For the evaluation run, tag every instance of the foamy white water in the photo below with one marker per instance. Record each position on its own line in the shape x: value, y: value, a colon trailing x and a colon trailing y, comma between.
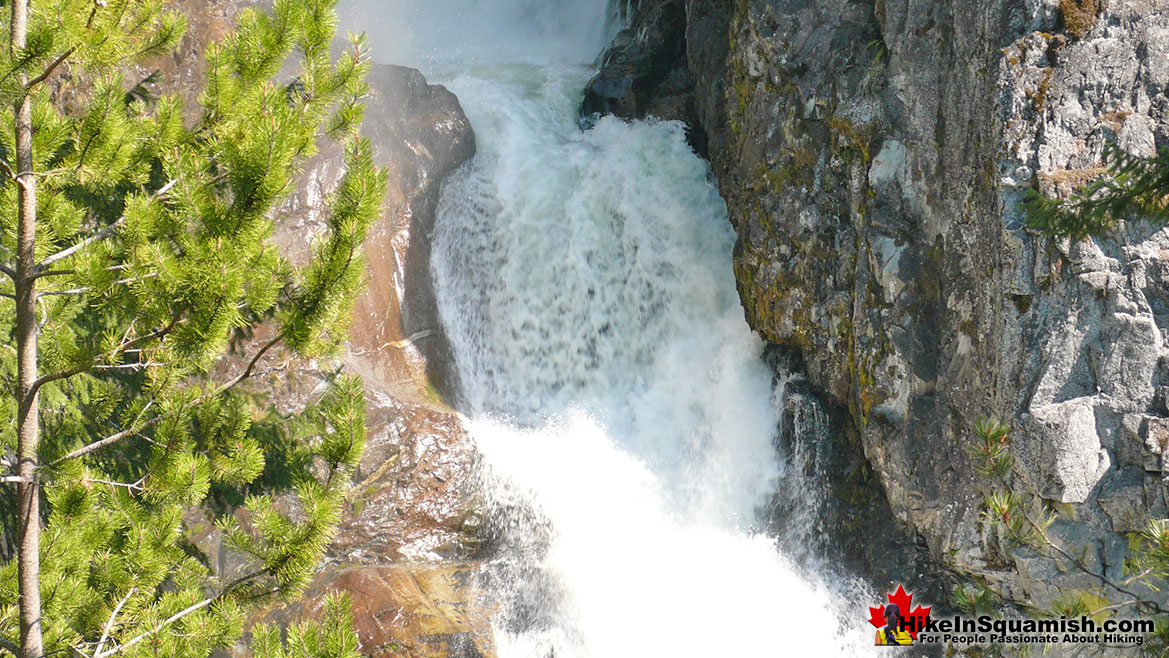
x: 627, y: 424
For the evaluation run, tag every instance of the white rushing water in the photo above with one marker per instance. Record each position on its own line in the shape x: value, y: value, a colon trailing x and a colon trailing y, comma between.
x: 626, y: 421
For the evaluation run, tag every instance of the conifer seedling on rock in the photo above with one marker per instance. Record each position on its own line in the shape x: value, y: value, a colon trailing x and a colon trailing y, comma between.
x: 1131, y: 186
x: 135, y: 255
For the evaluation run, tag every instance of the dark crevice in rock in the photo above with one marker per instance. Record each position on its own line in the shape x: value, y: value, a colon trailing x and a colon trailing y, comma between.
x: 643, y: 72
x: 830, y: 505
x: 449, y: 149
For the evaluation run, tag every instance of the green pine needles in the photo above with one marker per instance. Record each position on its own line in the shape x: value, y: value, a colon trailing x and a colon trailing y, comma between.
x: 135, y: 252
x: 311, y: 640
x: 1023, y: 522
x: 1132, y: 186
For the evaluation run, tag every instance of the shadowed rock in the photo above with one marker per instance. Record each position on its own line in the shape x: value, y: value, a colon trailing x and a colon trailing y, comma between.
x: 643, y: 72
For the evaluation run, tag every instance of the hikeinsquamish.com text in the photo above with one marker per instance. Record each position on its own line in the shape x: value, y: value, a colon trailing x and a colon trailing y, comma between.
x: 988, y: 630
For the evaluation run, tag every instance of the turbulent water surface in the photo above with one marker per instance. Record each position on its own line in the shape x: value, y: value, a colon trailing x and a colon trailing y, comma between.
x: 626, y: 420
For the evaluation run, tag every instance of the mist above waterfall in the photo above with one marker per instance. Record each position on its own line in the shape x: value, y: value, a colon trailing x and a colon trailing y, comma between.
x: 422, y: 33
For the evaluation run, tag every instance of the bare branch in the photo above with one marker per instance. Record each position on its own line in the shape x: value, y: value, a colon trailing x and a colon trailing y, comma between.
x: 169, y: 620
x: 1116, y: 606
x: 57, y: 376
x: 49, y: 71
x: 82, y: 291
x: 1050, y: 543
x: 111, y: 439
x: 14, y: 479
x: 252, y: 364
x: 71, y: 291
x: 105, y: 632
x: 129, y: 366
x: 100, y: 235
x: 134, y: 279
x: 132, y: 486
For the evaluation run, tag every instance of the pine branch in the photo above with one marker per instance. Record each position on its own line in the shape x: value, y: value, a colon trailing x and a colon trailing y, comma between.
x: 9, y: 647
x: 994, y: 439
x: 1104, y: 580
x: 99, y: 653
x: 111, y: 439
x: 252, y: 364
x: 93, y: 363
x: 1132, y: 185
x: 40, y: 268
x: 118, y: 436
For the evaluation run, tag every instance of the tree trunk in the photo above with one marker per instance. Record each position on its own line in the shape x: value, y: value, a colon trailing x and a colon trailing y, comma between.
x: 29, y: 561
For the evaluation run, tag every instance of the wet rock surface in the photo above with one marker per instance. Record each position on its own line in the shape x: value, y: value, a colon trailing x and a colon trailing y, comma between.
x: 419, y: 134
x: 643, y: 72
x: 874, y: 157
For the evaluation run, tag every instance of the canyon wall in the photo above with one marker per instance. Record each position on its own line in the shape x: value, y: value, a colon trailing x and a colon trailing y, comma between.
x: 874, y: 156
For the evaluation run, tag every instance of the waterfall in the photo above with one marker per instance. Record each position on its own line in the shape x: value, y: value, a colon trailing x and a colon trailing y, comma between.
x: 628, y: 425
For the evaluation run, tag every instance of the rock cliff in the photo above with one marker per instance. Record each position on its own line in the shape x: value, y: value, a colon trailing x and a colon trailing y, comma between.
x: 874, y: 155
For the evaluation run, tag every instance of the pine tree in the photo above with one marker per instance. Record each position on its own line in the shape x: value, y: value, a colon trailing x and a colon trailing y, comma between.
x: 135, y: 252
x: 1132, y: 186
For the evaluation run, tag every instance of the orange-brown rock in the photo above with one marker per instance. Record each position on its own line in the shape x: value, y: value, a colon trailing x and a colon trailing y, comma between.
x: 407, y: 612
x: 419, y: 134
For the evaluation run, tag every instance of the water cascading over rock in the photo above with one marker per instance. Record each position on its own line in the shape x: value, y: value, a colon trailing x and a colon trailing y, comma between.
x: 874, y: 157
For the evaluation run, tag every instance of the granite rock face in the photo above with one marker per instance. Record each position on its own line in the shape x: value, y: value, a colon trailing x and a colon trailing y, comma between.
x: 874, y: 156
x: 419, y: 135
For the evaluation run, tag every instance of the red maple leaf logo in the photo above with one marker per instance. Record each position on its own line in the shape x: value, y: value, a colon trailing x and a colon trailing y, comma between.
x: 911, y: 621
